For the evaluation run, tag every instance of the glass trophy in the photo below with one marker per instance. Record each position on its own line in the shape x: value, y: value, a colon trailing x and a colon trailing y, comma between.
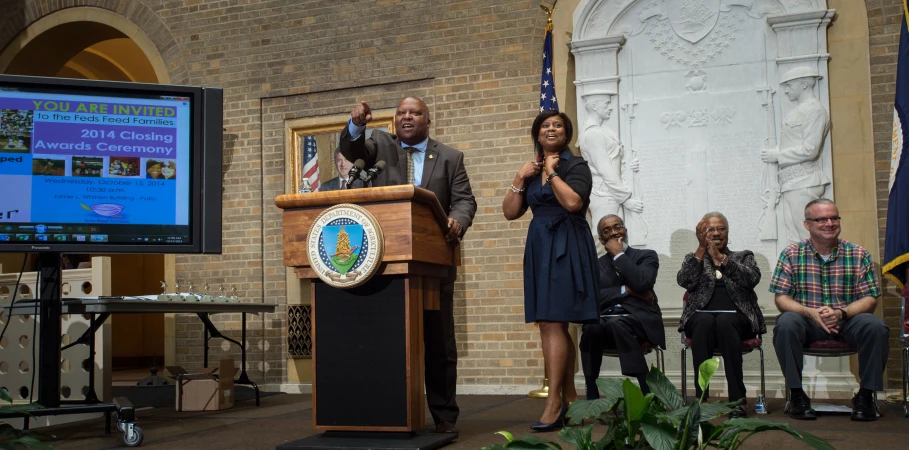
x: 176, y: 296
x: 190, y: 297
x: 233, y: 295
x: 163, y: 297
x: 221, y: 298
x: 205, y: 295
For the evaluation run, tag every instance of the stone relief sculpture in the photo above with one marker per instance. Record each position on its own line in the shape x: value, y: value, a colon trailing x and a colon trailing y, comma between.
x: 802, y: 137
x: 603, y: 151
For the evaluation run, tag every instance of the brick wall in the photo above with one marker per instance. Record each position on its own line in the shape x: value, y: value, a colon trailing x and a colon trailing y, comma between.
x: 476, y: 62
x: 884, y: 34
x: 473, y: 61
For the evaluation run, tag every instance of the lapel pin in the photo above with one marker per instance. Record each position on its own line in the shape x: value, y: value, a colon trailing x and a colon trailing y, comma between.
x: 431, y: 156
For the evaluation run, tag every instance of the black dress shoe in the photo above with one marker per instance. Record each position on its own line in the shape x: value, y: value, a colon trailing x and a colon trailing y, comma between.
x: 863, y: 408
x: 801, y: 408
x: 739, y: 412
x: 446, y: 427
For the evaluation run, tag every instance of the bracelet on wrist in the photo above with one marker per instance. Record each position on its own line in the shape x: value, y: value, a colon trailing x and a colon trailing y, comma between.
x: 551, y: 176
x: 516, y: 190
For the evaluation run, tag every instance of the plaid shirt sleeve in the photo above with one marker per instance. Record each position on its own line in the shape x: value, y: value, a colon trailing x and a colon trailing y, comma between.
x: 781, y: 282
x: 867, y: 285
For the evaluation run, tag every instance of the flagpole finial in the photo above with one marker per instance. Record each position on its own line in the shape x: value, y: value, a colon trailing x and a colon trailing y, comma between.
x: 548, y: 12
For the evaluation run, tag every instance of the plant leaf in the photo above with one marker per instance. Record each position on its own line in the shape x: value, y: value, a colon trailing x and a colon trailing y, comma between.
x: 585, y: 409
x: 29, y: 441
x: 664, y: 390
x: 577, y: 436
x: 660, y: 436
x: 611, y: 387
x: 634, y: 401
x: 494, y: 447
x: 608, y: 441
x: 4, y: 395
x: 706, y: 371
x: 508, y: 436
x: 689, y: 427
x: 710, y: 411
x: 737, y: 426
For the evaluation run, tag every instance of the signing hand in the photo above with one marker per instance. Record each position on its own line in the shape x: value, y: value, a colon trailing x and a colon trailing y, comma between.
x: 529, y: 169
x: 454, y: 231
x: 701, y: 232
x: 361, y: 114
x: 770, y: 155
x: 715, y: 252
x: 613, y: 246
x: 550, y: 162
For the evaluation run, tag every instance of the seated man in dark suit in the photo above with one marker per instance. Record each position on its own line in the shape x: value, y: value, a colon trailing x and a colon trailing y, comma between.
x: 629, y: 314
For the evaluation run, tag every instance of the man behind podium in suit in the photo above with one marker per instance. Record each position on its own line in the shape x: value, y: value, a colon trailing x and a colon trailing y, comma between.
x: 629, y: 313
x: 413, y: 158
x: 340, y: 182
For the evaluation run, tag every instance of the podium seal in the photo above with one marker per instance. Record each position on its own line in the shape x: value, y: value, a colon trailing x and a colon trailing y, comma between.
x: 345, y: 245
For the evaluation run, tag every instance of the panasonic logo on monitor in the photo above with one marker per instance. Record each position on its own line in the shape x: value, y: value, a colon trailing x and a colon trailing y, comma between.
x: 40, y: 248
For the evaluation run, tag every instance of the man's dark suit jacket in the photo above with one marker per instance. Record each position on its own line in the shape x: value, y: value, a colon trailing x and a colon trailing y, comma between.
x: 637, y: 269
x: 443, y: 170
x: 334, y: 184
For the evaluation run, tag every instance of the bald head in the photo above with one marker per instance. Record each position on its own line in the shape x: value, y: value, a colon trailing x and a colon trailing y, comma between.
x: 412, y: 120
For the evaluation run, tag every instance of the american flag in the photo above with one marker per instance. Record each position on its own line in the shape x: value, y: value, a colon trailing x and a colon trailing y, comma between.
x: 311, y: 162
x: 547, y: 82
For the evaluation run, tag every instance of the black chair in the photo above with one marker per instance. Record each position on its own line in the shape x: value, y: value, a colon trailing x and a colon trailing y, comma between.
x: 748, y: 346
x: 829, y: 348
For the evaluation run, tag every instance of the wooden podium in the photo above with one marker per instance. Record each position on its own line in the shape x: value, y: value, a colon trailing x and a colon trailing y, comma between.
x: 368, y: 340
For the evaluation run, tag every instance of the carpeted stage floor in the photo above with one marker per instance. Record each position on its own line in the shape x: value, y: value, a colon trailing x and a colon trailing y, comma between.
x: 283, y: 418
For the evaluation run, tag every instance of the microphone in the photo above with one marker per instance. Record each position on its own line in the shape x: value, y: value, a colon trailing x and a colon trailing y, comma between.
x: 354, y: 172
x: 371, y: 174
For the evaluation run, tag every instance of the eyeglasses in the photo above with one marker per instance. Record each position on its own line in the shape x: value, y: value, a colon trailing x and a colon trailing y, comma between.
x: 606, y: 230
x: 721, y: 230
x: 819, y: 220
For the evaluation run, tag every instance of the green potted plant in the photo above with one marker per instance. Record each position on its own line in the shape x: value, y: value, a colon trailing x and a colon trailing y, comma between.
x: 11, y: 438
x: 659, y: 420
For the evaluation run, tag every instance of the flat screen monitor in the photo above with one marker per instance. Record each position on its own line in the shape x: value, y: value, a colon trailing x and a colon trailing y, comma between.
x: 109, y: 167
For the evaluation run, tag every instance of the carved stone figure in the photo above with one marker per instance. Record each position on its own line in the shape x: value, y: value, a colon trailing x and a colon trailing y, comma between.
x: 801, y: 142
x: 603, y: 151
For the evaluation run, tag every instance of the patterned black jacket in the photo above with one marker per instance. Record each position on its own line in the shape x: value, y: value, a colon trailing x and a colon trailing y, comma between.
x: 741, y: 276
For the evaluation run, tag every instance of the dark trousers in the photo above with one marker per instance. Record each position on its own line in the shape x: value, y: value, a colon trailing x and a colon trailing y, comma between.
x: 623, y: 333
x: 724, y: 332
x: 440, y: 356
x: 868, y: 333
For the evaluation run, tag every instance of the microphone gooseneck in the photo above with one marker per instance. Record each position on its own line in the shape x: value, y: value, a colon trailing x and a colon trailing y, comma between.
x: 355, y: 172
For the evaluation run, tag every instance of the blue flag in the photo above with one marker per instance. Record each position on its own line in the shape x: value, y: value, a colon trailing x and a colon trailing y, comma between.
x: 896, y: 243
x: 547, y: 82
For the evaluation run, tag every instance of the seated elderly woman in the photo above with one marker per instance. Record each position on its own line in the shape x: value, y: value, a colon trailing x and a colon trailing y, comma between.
x: 722, y: 308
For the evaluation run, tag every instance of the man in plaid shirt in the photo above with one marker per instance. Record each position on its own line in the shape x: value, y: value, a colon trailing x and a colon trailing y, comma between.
x: 826, y: 289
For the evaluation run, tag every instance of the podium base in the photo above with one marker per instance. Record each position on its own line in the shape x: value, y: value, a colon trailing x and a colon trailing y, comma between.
x: 352, y: 440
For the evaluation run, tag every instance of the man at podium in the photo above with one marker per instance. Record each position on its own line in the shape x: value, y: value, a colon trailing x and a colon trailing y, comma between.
x: 412, y: 157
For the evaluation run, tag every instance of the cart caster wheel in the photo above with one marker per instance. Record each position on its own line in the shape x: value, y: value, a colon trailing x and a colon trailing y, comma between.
x: 133, y: 439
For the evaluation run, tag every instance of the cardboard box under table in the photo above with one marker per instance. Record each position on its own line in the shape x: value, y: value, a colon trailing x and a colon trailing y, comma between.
x: 207, y: 389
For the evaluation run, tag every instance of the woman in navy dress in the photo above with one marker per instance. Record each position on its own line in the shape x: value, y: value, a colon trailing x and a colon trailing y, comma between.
x: 560, y: 261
